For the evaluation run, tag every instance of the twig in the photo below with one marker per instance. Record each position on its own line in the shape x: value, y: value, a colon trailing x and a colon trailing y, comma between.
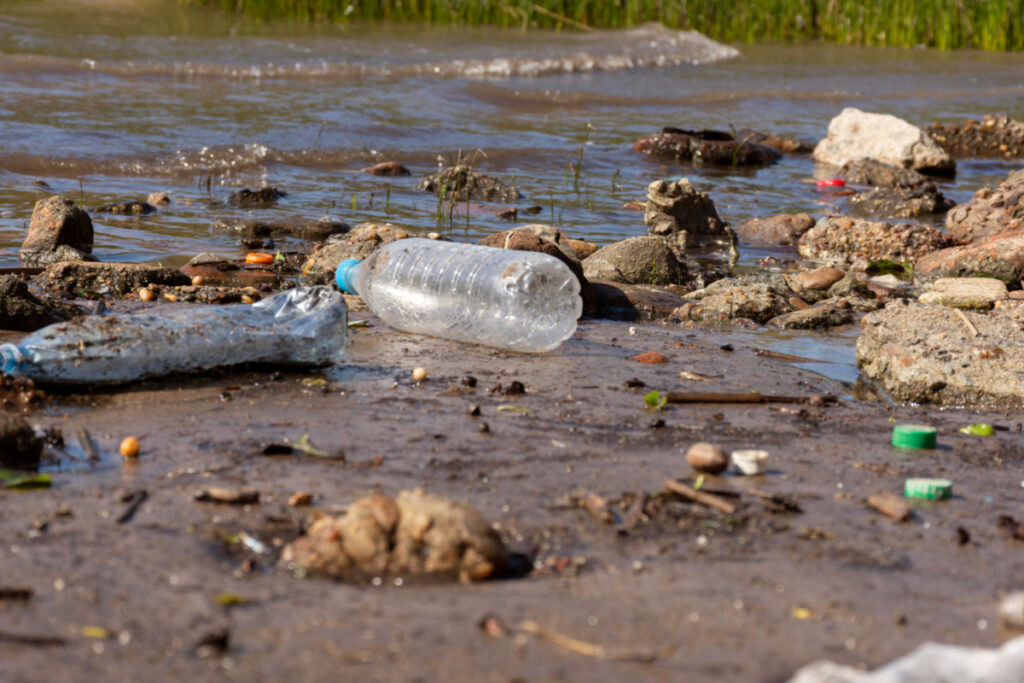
x: 970, y: 326
x: 562, y: 18
x: 741, y: 397
x: 582, y: 647
x: 29, y: 639
x: 699, y: 497
x: 135, y: 499
x: 88, y: 444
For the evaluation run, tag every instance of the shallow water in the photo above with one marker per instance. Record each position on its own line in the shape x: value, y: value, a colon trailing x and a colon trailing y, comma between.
x: 119, y: 99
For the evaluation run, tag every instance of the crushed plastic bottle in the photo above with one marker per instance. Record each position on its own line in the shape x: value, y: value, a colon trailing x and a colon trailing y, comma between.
x: 518, y: 300
x: 306, y: 326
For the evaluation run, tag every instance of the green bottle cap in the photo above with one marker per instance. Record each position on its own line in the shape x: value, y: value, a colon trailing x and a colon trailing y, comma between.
x: 930, y: 489
x: 913, y: 436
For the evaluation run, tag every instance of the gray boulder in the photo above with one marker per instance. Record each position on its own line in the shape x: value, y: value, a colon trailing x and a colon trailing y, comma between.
x: 991, y: 210
x: 841, y: 239
x: 926, y: 353
x: 855, y: 134
x: 644, y: 260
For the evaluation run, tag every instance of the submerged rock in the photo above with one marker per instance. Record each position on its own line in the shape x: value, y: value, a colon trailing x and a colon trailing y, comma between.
x: 926, y: 353
x: 1000, y: 256
x: 851, y: 240
x: 413, y: 534
x: 20, y: 448
x: 855, y: 134
x: 301, y: 228
x: 363, y: 240
x: 386, y: 168
x: 994, y: 136
x: 965, y: 292
x: 22, y: 310
x: 896, y: 192
x: 646, y: 260
x: 462, y: 182
x: 619, y: 301
x: 129, y: 208
x: 706, y: 147
x: 687, y: 216
x: 116, y: 279
x: 59, y: 231
x: 813, y: 318
x: 219, y: 271
x: 263, y: 198
x: 779, y: 142
x: 989, y: 211
x: 776, y: 231
x: 158, y: 199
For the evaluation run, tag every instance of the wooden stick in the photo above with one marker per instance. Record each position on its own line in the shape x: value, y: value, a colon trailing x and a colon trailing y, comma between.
x: 972, y: 328
x: 699, y: 497
x: 582, y: 647
x: 741, y: 397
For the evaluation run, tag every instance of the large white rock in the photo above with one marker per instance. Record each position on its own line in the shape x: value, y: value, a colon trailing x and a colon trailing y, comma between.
x: 855, y: 134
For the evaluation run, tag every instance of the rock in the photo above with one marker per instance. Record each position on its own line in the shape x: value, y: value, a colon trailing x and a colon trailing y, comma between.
x: 22, y: 310
x: 813, y: 318
x: 850, y: 240
x: 676, y: 210
x: 965, y: 292
x: 778, y: 231
x: 617, y: 301
x: 129, y: 208
x: 990, y: 210
x: 462, y: 182
x: 752, y: 297
x: 649, y: 358
x: 896, y: 192
x: 706, y: 147
x: 855, y: 134
x: 821, y: 278
x: 20, y: 449
x: 413, y: 534
x: 707, y: 457
x: 386, y: 168
x: 363, y: 240
x: 59, y: 230
x: 158, y: 198
x: 218, y: 271
x: 301, y: 228
x: 263, y: 198
x: 925, y: 353
x: 994, y: 136
x: 1000, y: 256
x: 637, y: 260
x: 583, y: 248
x: 548, y: 240
x: 779, y: 142
x: 116, y: 279
x: 473, y: 209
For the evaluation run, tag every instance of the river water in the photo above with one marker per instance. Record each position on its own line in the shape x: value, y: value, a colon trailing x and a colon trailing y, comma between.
x: 109, y: 100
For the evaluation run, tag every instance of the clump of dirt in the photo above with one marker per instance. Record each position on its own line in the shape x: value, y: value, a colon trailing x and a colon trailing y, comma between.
x: 414, y: 533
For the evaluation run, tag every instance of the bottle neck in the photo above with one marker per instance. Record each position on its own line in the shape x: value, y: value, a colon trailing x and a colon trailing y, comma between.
x: 348, y: 275
x: 11, y: 358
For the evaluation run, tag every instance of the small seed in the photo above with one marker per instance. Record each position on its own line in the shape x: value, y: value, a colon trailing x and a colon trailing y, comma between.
x: 146, y: 294
x: 130, y: 448
x: 198, y: 280
x: 419, y: 375
x: 246, y: 299
x: 171, y: 297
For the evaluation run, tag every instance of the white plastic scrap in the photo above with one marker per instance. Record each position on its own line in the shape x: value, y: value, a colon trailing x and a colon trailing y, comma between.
x: 930, y: 663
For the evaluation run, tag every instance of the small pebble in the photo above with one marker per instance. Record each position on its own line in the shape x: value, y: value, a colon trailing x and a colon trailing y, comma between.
x: 198, y: 280
x: 130, y: 448
x: 707, y: 457
x: 246, y: 299
x: 300, y: 498
x: 171, y: 297
x: 419, y: 375
x: 146, y: 294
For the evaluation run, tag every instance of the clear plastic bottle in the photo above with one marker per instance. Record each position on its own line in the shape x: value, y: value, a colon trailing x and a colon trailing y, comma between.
x: 518, y: 300
x: 305, y: 326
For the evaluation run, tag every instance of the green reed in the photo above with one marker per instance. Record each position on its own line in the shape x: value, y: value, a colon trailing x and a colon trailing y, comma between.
x: 944, y: 24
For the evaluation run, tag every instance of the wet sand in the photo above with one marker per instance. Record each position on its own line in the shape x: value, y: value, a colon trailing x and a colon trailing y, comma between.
x: 695, y: 594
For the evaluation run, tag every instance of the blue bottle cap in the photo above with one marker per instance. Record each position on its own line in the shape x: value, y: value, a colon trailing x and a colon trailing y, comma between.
x: 343, y: 276
x: 11, y: 359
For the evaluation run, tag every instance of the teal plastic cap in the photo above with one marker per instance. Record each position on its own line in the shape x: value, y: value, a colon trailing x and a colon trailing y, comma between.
x: 11, y: 359
x: 343, y: 276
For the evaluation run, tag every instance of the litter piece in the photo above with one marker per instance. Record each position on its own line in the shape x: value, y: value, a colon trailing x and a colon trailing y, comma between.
x: 913, y: 436
x: 929, y: 489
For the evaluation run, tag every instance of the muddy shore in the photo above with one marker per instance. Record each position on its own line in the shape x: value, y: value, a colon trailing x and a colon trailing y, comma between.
x: 692, y: 594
